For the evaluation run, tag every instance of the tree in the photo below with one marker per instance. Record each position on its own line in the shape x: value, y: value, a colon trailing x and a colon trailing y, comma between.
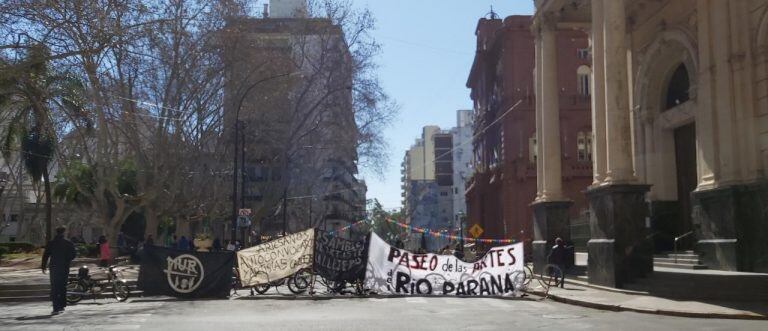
x: 29, y: 93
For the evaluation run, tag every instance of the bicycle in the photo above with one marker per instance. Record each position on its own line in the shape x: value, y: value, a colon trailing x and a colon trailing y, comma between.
x: 552, y: 276
x: 84, y: 284
x: 297, y: 283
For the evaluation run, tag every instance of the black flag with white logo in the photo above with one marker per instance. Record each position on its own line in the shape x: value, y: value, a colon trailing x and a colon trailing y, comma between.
x: 185, y: 274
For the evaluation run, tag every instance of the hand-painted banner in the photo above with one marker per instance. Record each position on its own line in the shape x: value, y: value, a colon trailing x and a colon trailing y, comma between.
x: 276, y: 259
x: 339, y: 259
x: 186, y: 274
x: 395, y: 271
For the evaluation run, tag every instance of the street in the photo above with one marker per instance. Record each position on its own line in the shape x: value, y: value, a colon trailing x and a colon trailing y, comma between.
x: 411, y: 313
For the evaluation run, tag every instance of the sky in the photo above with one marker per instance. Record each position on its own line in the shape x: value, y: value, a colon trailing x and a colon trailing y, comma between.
x: 428, y: 49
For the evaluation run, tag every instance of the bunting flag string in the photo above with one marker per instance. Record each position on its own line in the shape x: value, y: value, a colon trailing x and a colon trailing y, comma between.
x: 428, y: 232
x: 440, y: 234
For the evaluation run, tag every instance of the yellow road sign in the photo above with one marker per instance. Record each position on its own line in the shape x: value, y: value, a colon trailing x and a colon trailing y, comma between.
x: 476, y: 230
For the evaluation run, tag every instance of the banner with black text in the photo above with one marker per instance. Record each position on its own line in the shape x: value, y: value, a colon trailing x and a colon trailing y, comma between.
x: 185, y: 274
x: 276, y: 259
x: 339, y: 259
x: 395, y: 271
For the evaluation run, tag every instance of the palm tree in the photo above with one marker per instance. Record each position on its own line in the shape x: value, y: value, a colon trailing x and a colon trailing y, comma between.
x: 29, y: 93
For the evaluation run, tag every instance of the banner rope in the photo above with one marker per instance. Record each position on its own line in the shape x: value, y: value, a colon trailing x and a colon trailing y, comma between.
x: 429, y: 232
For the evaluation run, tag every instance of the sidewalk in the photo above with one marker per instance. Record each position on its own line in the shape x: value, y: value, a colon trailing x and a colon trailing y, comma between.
x: 27, y: 271
x: 582, y: 294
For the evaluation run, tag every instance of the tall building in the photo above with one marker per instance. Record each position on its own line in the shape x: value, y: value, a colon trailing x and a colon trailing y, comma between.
x: 427, y: 185
x: 505, y: 160
x: 462, y: 164
x: 288, y: 97
x: 680, y: 111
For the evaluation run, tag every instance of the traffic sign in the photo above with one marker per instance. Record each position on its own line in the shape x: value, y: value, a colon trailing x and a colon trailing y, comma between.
x: 476, y: 230
x: 243, y: 221
x: 244, y: 212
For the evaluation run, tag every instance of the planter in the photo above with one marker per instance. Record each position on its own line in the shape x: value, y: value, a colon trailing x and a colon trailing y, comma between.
x: 203, y: 245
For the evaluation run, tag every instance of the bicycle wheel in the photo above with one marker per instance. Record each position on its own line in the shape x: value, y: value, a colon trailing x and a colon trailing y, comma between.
x: 302, y: 279
x: 262, y: 288
x: 75, y: 292
x: 121, y: 291
x: 551, y: 275
x: 295, y: 289
x: 528, y: 274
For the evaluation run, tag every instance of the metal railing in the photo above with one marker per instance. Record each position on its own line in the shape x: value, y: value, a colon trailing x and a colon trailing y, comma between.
x: 678, y: 239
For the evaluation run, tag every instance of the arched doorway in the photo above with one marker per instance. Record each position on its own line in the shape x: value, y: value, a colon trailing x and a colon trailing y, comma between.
x: 665, y: 135
x: 685, y: 152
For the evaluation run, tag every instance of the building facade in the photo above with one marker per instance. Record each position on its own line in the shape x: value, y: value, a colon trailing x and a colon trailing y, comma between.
x: 680, y: 107
x: 462, y: 165
x: 505, y: 159
x: 288, y: 110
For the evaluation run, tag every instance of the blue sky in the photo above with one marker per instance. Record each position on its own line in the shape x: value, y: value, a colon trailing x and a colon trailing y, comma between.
x: 428, y: 48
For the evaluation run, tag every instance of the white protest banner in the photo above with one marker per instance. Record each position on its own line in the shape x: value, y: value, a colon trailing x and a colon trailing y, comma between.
x: 395, y: 271
x: 276, y: 259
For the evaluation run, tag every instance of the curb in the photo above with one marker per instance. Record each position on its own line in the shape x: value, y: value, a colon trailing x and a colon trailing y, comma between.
x: 676, y: 313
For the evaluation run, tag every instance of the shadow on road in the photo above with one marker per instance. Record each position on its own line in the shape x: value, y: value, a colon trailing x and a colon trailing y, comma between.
x: 33, y: 318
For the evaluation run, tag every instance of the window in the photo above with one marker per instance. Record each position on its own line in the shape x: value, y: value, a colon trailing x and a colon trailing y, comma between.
x: 584, y: 146
x: 443, y: 194
x: 532, y: 152
x: 677, y: 90
x: 582, y: 53
x: 583, y: 81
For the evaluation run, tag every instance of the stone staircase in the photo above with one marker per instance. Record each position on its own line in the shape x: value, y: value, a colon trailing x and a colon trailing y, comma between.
x: 682, y: 260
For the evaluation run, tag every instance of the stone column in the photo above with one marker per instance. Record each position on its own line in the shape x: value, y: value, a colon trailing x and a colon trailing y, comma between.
x: 550, y: 208
x: 598, y: 94
x: 539, y: 98
x: 728, y: 214
x: 618, y: 249
x: 618, y: 129
x: 550, y: 116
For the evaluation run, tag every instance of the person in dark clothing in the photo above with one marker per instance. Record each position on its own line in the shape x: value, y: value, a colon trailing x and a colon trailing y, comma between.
x: 150, y: 241
x: 217, y: 245
x: 559, y: 257
x: 60, y: 252
x: 183, y: 244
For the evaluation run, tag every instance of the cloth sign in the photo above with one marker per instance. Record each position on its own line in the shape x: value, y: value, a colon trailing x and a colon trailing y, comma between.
x: 339, y: 259
x: 276, y: 259
x: 395, y: 271
x: 185, y: 274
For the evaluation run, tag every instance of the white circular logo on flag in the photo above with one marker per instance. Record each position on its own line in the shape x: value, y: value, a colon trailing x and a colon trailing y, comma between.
x: 185, y: 273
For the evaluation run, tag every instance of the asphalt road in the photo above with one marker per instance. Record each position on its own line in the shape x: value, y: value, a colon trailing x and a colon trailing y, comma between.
x: 391, y: 314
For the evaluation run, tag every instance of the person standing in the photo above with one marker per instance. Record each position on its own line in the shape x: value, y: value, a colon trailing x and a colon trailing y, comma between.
x: 104, y: 254
x: 183, y: 243
x: 559, y: 256
x: 150, y: 241
x: 60, y: 252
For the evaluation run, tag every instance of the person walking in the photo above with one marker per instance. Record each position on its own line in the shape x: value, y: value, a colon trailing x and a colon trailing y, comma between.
x: 60, y: 252
x: 559, y: 257
x: 104, y: 253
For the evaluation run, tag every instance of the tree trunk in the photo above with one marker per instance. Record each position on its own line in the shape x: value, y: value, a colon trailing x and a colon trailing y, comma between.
x: 48, y: 206
x: 151, y: 223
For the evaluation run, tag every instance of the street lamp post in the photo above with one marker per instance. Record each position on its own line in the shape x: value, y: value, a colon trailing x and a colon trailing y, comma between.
x: 235, y: 139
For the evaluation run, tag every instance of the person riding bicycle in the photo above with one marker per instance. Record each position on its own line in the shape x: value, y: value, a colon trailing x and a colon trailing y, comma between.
x: 559, y: 257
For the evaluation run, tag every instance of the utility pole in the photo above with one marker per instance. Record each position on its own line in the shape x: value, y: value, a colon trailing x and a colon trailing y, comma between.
x: 242, y: 182
x: 310, y: 212
x: 285, y: 210
x: 234, y: 181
